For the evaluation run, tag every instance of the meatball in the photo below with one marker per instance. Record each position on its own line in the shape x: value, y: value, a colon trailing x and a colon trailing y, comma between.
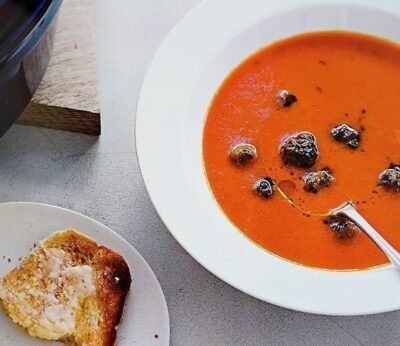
x: 343, y: 228
x: 314, y: 181
x: 242, y: 153
x: 390, y: 178
x: 346, y: 134
x: 265, y: 187
x: 300, y: 150
x: 286, y: 98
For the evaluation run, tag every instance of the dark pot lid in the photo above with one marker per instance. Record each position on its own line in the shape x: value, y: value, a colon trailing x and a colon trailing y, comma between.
x: 18, y: 18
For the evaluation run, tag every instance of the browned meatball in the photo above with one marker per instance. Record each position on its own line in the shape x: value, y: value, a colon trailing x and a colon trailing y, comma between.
x: 265, y: 187
x: 243, y: 153
x: 300, y: 150
x: 314, y: 181
x: 342, y: 227
x: 346, y: 134
x: 286, y: 98
x: 390, y: 178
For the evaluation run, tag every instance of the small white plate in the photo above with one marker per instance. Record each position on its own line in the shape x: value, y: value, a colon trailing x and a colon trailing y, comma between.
x: 146, y: 319
x: 182, y: 79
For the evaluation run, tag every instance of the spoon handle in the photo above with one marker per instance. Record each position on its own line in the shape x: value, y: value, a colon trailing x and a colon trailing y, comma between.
x: 351, y: 212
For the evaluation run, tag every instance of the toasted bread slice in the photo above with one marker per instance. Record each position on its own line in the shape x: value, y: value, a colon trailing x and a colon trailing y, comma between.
x: 69, y: 289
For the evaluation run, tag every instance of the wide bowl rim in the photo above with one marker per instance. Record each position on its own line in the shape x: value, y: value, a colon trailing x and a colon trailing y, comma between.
x: 158, y: 204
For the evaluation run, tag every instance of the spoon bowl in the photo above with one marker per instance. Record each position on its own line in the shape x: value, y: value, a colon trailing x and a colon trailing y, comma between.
x: 349, y: 211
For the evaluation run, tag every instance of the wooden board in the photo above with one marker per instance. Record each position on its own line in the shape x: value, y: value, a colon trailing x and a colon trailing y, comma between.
x: 67, y: 97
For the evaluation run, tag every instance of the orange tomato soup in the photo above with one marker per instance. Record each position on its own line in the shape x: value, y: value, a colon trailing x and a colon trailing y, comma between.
x: 338, y: 77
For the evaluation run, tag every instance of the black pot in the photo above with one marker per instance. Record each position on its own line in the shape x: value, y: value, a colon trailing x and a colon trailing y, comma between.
x: 26, y: 40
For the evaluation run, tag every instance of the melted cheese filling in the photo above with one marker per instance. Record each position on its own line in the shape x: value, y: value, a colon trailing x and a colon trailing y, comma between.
x: 49, y: 300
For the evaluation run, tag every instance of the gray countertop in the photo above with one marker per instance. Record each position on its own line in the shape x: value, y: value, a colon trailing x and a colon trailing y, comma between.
x: 101, y: 178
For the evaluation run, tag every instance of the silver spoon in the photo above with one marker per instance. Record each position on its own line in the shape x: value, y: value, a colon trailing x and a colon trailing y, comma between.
x: 349, y: 210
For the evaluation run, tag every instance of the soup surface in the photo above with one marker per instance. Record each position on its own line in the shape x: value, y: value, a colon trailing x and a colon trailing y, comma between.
x: 338, y: 78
